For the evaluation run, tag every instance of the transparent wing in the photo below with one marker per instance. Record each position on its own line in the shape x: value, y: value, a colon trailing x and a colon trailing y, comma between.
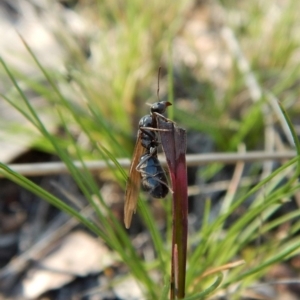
x: 133, y: 183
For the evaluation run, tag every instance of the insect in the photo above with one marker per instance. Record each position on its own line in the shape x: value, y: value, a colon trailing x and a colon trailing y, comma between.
x: 145, y: 165
x: 154, y: 180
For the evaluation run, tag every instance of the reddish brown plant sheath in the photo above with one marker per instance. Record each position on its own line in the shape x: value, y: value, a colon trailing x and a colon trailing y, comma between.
x: 174, y: 145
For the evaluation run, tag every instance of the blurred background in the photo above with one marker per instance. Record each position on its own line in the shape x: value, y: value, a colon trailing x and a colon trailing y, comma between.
x: 88, y: 68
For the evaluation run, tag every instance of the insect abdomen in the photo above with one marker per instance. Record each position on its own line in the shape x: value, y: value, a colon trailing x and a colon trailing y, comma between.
x: 154, y: 180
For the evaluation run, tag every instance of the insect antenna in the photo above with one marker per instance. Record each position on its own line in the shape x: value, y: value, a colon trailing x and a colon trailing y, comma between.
x: 158, y: 75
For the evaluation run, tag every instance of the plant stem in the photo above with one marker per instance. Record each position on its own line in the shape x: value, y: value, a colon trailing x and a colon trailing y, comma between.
x: 174, y: 144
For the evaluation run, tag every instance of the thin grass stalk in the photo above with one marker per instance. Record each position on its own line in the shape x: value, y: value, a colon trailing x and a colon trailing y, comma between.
x: 203, y: 295
x: 293, y: 132
x: 116, y: 241
x: 281, y: 255
x: 29, y: 185
x: 210, y: 230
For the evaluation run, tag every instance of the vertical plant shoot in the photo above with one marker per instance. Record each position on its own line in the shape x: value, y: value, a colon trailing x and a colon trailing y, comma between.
x: 173, y: 141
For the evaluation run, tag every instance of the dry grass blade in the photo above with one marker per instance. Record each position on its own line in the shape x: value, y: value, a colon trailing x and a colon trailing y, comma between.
x: 174, y: 145
x: 50, y: 168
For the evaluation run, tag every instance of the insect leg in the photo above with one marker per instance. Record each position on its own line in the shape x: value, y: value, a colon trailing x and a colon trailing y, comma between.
x: 152, y: 129
x: 163, y: 117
